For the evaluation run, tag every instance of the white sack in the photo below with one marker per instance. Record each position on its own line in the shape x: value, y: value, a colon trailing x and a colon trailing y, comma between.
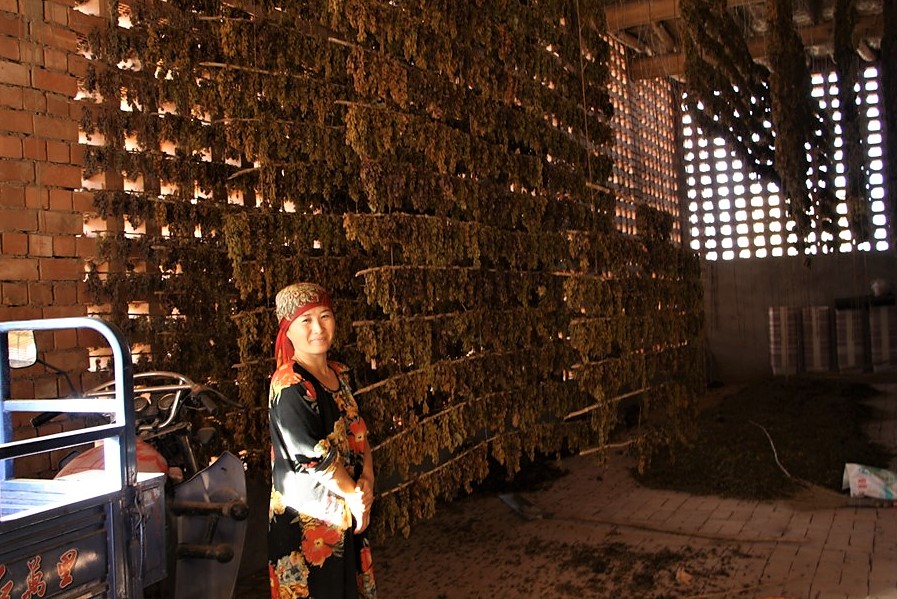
x: 866, y: 481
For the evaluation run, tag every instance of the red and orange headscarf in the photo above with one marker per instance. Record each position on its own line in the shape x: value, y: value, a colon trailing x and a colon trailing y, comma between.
x: 291, y: 302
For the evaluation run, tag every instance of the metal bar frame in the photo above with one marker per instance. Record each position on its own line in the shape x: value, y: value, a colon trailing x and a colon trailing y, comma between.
x: 119, y: 442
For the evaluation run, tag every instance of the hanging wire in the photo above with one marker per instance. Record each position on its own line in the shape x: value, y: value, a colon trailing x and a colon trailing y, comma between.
x: 585, y: 115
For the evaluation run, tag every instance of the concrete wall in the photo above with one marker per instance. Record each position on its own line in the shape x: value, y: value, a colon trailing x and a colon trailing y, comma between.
x: 738, y: 294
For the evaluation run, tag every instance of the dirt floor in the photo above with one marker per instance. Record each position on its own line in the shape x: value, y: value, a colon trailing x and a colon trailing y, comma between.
x: 550, y: 532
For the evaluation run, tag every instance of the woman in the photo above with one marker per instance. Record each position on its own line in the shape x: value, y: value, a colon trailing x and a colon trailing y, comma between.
x: 322, y: 472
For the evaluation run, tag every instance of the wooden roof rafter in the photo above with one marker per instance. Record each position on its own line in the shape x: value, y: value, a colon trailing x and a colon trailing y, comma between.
x: 651, y: 28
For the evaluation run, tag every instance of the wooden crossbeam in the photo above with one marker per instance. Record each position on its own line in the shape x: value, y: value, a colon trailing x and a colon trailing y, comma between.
x: 634, y: 14
x: 672, y: 65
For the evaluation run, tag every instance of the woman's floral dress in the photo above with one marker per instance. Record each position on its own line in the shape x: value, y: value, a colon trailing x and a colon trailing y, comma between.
x: 312, y: 549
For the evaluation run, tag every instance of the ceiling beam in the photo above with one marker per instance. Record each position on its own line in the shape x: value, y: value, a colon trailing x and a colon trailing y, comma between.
x: 622, y: 15
x: 666, y: 40
x: 633, y: 42
x: 673, y: 65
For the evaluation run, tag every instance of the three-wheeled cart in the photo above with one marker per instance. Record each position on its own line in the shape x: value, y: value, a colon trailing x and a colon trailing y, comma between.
x: 96, y: 537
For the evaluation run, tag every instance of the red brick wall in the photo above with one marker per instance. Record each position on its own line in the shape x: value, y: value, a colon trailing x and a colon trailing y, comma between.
x: 42, y: 248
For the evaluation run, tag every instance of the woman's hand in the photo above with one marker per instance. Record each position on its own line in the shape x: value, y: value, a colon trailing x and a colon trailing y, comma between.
x: 366, y: 486
x: 358, y: 495
x: 360, y: 510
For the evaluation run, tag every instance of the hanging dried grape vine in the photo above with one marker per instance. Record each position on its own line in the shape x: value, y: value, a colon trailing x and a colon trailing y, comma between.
x: 889, y: 109
x: 727, y: 92
x: 175, y: 260
x: 847, y: 64
x: 435, y: 165
x: 804, y: 148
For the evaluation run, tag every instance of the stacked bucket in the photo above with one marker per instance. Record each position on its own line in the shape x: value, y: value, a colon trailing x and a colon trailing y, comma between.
x: 822, y: 339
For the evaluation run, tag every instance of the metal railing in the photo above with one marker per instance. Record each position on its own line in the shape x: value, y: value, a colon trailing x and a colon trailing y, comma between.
x: 117, y: 436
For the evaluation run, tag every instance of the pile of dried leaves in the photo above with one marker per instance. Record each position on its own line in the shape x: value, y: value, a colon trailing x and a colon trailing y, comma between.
x: 812, y: 425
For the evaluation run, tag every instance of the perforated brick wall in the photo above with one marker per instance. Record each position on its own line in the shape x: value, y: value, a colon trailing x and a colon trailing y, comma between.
x: 42, y: 206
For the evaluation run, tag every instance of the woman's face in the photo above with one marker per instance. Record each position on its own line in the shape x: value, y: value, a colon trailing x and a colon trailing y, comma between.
x: 312, y: 332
